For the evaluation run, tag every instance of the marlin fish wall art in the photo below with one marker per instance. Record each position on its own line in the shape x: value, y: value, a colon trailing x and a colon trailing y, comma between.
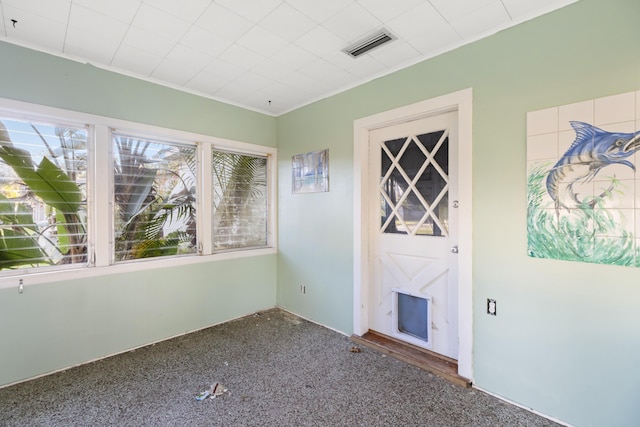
x: 582, y: 183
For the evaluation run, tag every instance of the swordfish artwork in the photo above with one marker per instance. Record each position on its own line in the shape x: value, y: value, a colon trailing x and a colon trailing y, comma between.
x: 583, y: 202
x: 592, y: 150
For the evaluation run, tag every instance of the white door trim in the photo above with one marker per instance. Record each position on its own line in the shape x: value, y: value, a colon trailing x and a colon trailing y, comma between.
x: 461, y: 102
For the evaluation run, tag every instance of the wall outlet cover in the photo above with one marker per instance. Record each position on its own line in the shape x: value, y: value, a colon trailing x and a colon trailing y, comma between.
x: 492, y: 307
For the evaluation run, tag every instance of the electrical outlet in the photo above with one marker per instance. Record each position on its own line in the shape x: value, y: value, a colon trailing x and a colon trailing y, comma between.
x: 303, y: 289
x: 492, y: 307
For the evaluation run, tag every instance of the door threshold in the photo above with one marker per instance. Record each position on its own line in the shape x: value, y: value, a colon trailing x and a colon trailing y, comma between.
x: 444, y: 367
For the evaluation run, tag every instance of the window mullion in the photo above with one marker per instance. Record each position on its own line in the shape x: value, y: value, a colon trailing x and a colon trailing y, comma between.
x: 102, y: 196
x: 205, y: 199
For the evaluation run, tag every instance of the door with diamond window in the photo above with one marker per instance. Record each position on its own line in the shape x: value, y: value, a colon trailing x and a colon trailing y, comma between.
x: 413, y: 232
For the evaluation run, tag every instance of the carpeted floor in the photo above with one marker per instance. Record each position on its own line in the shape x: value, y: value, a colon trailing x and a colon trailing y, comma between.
x: 278, y: 370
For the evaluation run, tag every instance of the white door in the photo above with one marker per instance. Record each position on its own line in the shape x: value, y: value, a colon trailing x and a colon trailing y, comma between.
x: 413, y: 232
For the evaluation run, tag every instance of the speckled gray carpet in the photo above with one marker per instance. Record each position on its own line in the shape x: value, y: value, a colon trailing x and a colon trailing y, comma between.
x: 279, y: 370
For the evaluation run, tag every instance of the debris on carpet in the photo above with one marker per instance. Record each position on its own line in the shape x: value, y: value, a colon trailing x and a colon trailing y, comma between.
x: 214, y: 391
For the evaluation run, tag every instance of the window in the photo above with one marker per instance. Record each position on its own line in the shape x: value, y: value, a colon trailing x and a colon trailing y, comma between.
x: 239, y: 201
x: 43, y: 198
x: 100, y: 195
x: 154, y: 198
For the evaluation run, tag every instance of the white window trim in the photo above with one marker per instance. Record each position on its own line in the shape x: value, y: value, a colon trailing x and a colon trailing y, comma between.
x: 101, y: 209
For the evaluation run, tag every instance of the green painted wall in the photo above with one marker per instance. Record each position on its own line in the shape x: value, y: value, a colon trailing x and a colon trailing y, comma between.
x: 56, y: 325
x: 566, y: 341
x: 44, y: 79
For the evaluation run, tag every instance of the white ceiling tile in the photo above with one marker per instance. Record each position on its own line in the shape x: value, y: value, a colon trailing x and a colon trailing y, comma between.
x: 287, y: 22
x: 319, y: 11
x: 241, y: 57
x: 269, y: 69
x: 319, y: 41
x: 200, y: 39
x: 35, y: 29
x: 188, y: 58
x: 235, y: 91
x: 135, y: 60
x: 189, y: 10
x: 250, y: 51
x: 180, y: 66
x: 3, y: 30
x: 435, y: 41
x: 252, y: 81
x: 278, y: 91
x: 203, y: 82
x: 424, y: 29
x: 261, y: 41
x: 395, y: 54
x: 250, y: 9
x: 259, y: 101
x: 152, y: 43
x: 53, y: 10
x: 299, y: 81
x: 362, y: 66
x: 293, y: 57
x: 99, y: 50
x: 172, y: 73
x: 524, y: 9
x: 416, y: 22
x: 325, y: 72
x: 482, y: 20
x: 159, y: 22
x: 223, y: 23
x: 386, y: 10
x: 94, y: 24
x: 352, y: 23
x: 223, y: 70
x: 452, y: 10
x: 122, y: 10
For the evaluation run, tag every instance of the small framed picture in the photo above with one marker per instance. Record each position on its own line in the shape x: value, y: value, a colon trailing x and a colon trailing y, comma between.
x: 310, y: 172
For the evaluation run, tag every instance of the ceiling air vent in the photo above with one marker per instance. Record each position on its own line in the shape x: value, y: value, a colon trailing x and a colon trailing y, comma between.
x: 365, y: 45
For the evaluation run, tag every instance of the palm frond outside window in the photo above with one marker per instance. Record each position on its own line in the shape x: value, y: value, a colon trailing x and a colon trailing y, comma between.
x: 154, y: 198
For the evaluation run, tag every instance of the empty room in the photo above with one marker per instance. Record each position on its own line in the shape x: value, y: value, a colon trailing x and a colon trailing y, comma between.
x: 347, y: 212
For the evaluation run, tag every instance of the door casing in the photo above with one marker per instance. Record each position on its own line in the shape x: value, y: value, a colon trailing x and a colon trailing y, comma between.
x: 460, y: 101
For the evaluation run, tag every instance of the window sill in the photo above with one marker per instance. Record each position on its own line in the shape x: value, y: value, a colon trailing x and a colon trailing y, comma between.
x: 39, y: 277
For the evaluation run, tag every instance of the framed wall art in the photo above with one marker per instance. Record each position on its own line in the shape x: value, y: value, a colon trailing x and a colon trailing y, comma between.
x: 310, y: 172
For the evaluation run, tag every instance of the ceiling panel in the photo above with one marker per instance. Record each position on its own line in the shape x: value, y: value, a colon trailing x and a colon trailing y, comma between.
x: 352, y: 23
x: 250, y: 52
x: 319, y: 11
x: 223, y: 22
x: 34, y: 29
x: 54, y: 10
x: 262, y: 42
x: 205, y: 41
x: 288, y: 23
x: 481, y: 20
x: 137, y: 61
x: 253, y: 10
x: 122, y: 10
x: 386, y: 10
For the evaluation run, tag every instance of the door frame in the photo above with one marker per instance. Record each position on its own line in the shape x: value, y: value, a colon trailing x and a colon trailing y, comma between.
x: 460, y: 101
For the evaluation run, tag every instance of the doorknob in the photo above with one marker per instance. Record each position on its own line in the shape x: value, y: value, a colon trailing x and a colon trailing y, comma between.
x: 454, y: 249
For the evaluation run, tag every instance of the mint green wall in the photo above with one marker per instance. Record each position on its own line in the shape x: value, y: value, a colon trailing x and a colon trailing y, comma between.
x: 36, y: 77
x: 566, y: 341
x: 56, y: 325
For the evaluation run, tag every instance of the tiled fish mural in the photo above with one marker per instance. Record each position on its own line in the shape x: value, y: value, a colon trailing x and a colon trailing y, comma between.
x: 582, y: 187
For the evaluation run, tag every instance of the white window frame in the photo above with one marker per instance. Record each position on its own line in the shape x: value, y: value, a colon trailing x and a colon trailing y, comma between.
x: 100, y: 195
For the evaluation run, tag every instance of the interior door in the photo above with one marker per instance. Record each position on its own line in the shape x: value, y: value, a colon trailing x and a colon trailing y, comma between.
x: 413, y: 227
